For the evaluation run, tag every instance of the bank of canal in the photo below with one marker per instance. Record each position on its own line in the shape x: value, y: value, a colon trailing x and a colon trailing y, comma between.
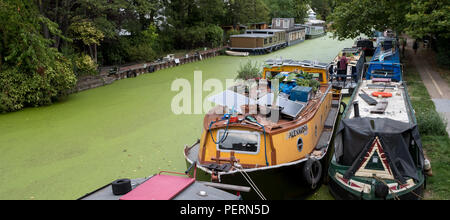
x: 126, y: 129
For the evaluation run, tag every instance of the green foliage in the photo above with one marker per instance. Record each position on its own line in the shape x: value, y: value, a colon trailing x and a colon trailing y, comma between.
x: 418, y: 18
x: 288, y: 9
x: 140, y: 53
x: 84, y: 65
x: 32, y: 74
x: 200, y: 36
x: 249, y: 71
x: 443, y: 54
x: 431, y: 17
x: 323, y: 8
x: 86, y: 32
x: 431, y: 123
x: 355, y: 17
x: 246, y: 11
x: 19, y: 90
x: 214, y: 35
x: 314, y: 84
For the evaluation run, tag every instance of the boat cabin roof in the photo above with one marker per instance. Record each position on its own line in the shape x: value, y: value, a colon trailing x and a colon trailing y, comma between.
x: 305, y: 111
x: 303, y: 63
x: 237, y: 99
x: 397, y: 107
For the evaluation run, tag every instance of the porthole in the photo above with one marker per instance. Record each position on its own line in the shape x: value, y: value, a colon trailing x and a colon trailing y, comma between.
x: 300, y: 144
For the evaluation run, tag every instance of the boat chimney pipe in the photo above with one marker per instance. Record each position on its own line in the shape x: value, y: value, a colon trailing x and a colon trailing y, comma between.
x: 356, y: 107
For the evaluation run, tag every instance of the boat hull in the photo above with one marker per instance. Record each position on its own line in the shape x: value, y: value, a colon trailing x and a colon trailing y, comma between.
x: 311, y: 36
x: 347, y: 191
x: 237, y: 54
x: 276, y: 183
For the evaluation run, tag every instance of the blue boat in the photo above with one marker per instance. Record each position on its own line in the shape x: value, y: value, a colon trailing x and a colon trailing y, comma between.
x: 386, y: 61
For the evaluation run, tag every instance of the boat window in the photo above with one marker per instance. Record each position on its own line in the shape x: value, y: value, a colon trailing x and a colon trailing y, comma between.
x: 286, y: 23
x: 245, y: 142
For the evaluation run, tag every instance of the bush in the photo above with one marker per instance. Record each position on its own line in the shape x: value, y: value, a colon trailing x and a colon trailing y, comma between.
x: 199, y: 36
x: 249, y: 71
x: 443, y: 53
x: 19, y: 90
x: 140, y: 53
x: 84, y: 65
x: 214, y: 35
x: 431, y: 123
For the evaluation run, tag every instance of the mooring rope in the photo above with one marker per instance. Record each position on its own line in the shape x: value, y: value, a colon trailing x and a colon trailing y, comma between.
x: 250, y: 181
x: 418, y: 196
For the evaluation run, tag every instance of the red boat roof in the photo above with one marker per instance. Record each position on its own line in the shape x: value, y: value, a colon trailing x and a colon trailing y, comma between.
x: 159, y: 187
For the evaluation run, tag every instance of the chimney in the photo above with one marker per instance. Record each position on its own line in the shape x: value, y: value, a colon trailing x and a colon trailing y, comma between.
x: 356, y: 106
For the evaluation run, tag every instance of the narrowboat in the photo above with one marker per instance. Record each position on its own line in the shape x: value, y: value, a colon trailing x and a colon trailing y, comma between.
x: 348, y: 80
x: 366, y: 45
x: 294, y: 34
x: 385, y: 62
x: 273, y: 138
x: 166, y: 186
x: 313, y: 31
x: 259, y: 42
x: 378, y: 151
x: 283, y: 33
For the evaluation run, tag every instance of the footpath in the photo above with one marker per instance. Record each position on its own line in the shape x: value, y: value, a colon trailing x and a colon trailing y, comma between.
x: 437, y: 87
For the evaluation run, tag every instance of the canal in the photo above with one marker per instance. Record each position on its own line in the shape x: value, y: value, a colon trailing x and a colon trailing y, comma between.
x: 123, y: 130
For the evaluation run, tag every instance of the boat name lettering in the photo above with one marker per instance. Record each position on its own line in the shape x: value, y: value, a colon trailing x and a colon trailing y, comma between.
x: 298, y: 131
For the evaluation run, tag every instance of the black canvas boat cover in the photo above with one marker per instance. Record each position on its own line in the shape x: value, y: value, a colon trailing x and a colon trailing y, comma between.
x: 356, y: 136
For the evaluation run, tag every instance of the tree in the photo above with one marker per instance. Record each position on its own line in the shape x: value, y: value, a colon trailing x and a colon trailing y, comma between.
x: 31, y: 73
x: 322, y: 8
x: 288, y: 9
x: 86, y: 32
x: 429, y: 18
x: 246, y: 11
x: 351, y: 18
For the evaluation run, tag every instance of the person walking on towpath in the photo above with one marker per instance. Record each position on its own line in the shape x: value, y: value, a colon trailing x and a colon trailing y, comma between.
x: 415, y: 46
x: 404, y: 43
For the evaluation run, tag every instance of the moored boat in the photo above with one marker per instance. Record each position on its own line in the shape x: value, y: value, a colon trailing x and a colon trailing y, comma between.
x: 276, y: 145
x: 378, y: 151
x: 348, y: 80
x: 237, y: 54
x: 385, y: 62
x: 166, y: 186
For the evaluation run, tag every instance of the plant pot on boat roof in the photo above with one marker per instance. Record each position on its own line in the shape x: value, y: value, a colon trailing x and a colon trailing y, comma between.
x: 314, y: 84
x: 249, y: 71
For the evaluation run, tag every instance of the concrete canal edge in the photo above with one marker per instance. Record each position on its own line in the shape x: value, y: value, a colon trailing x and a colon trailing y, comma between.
x: 108, y: 75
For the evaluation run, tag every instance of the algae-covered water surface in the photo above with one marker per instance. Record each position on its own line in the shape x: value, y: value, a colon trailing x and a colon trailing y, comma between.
x: 124, y: 130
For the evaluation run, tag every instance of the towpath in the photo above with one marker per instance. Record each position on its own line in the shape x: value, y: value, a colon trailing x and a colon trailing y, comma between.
x: 437, y: 87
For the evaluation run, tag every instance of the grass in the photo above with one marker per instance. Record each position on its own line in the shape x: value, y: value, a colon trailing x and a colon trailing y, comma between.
x: 434, y: 136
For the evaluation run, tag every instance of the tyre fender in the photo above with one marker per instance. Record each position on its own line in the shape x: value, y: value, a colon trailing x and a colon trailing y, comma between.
x: 312, y: 172
x: 121, y: 187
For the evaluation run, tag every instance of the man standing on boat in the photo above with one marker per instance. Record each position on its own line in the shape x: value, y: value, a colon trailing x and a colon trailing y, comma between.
x: 342, y: 67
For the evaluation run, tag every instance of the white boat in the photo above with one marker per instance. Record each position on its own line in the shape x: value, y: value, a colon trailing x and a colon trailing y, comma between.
x: 238, y: 54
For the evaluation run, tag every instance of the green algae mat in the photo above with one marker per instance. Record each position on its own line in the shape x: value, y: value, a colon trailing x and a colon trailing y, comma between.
x: 123, y: 130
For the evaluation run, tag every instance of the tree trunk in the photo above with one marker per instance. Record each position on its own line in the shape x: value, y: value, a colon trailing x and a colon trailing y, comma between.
x: 95, y: 53
x: 45, y: 30
x: 91, y: 52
